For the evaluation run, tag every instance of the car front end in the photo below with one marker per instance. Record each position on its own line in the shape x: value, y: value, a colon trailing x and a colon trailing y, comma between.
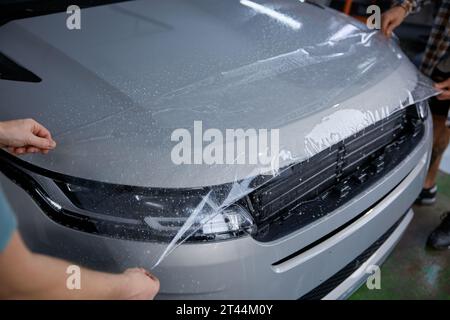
x: 354, y: 132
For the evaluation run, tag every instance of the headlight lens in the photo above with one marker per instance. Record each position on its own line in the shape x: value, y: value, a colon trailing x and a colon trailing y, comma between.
x: 160, y: 214
x: 134, y: 213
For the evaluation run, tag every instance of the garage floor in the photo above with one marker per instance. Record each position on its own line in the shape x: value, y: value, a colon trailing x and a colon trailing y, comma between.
x: 413, y: 271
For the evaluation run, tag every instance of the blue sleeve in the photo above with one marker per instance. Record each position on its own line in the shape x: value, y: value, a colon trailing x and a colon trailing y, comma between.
x: 8, y: 222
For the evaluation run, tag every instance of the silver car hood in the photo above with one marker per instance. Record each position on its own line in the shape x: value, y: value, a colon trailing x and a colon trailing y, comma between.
x: 113, y: 92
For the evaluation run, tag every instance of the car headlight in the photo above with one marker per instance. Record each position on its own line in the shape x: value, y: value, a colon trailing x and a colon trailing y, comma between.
x: 127, y: 212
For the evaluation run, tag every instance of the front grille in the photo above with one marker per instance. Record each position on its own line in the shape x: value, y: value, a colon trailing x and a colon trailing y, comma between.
x: 309, y: 190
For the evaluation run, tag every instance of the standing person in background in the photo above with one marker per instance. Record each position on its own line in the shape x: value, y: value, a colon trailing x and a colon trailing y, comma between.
x: 26, y: 275
x: 435, y: 64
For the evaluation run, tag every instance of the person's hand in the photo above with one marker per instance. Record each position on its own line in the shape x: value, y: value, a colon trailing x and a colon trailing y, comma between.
x: 25, y: 136
x: 138, y: 284
x: 391, y: 19
x: 445, y: 87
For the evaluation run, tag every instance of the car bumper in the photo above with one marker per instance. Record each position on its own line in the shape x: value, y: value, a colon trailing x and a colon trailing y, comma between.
x: 310, y: 263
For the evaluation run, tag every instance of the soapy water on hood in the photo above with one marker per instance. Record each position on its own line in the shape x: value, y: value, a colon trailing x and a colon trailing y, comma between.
x: 203, y: 97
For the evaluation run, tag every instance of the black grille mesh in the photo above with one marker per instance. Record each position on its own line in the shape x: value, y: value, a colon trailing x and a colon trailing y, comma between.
x: 311, y: 189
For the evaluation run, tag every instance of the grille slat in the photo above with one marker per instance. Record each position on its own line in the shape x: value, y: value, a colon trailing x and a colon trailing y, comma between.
x: 277, y: 194
x: 307, y: 170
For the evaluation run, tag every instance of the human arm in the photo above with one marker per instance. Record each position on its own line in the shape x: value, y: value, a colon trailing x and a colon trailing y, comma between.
x: 445, y: 87
x: 25, y: 136
x: 393, y: 17
x: 26, y: 275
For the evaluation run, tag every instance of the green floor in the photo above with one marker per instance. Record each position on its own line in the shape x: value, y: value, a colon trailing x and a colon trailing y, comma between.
x: 412, y: 271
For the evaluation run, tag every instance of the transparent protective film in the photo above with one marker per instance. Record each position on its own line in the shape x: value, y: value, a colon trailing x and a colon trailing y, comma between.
x: 358, y: 100
x: 211, y: 152
x: 186, y: 141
